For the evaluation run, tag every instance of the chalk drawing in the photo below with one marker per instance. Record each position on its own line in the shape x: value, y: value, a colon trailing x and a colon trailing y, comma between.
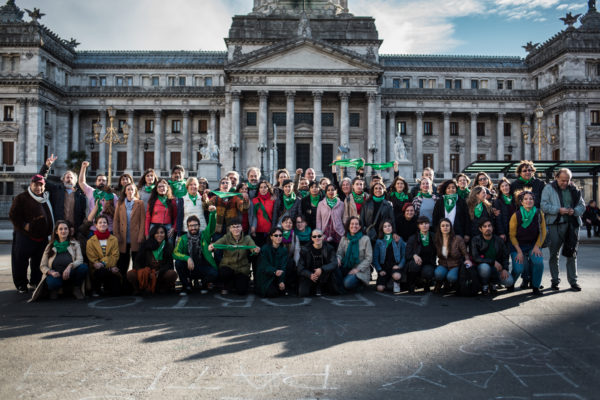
x: 554, y: 372
x: 472, y: 377
x: 414, y: 375
x: 508, y: 350
x: 294, y: 380
x: 106, y: 397
x: 263, y: 380
x: 297, y: 381
x: 96, y: 303
x: 195, y: 385
x: 305, y: 301
x: 358, y: 301
x: 182, y: 303
x: 420, y: 301
x: 243, y: 303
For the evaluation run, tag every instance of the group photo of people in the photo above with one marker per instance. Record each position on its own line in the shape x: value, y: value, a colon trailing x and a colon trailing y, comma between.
x: 299, y: 235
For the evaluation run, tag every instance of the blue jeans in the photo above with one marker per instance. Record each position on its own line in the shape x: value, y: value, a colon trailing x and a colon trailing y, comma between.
x: 76, y: 277
x: 351, y: 282
x: 202, y: 271
x: 487, y: 273
x: 531, y: 261
x: 442, y: 273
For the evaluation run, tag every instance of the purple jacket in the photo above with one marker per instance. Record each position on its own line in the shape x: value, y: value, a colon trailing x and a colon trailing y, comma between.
x: 324, y: 213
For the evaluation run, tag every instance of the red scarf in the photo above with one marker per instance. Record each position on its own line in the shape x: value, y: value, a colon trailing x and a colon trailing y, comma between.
x: 102, y: 235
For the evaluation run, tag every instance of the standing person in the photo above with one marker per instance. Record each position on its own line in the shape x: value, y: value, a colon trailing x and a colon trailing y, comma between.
x: 399, y: 195
x: 429, y: 174
x: 389, y: 258
x: 102, y: 251
x: 33, y: 222
x: 263, y: 213
x: 376, y: 210
x: 192, y: 258
x: 330, y: 213
x: 230, y: 206
x: 420, y: 257
x: 289, y: 204
x: 177, y: 182
x: 310, y: 174
x: 479, y: 209
x: 62, y: 263
x: 323, y: 182
x: 506, y: 207
x: 527, y: 231
x: 234, y: 268
x: 344, y: 187
x: 129, y: 225
x: 153, y: 268
x: 102, y: 194
x: 302, y: 230
x: 592, y: 219
x: 273, y: 267
x: 482, y: 179
x: 124, y: 180
x: 253, y: 176
x: 450, y: 205
x: 408, y: 222
x: 356, y: 199
x: 234, y: 178
x: 527, y: 181
x: 290, y: 241
x: 424, y: 200
x: 451, y: 253
x: 302, y: 189
x: 490, y: 254
x: 309, y: 204
x: 355, y: 255
x: 162, y: 210
x: 316, y: 267
x: 463, y: 182
x: 242, y: 188
x: 146, y: 185
x: 188, y: 205
x: 281, y: 176
x: 68, y: 202
x: 563, y: 207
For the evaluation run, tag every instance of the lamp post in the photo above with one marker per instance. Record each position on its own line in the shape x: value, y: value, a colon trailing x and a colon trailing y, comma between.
x: 538, y: 137
x: 112, y: 136
x: 262, y: 148
x: 234, y: 148
x: 373, y: 149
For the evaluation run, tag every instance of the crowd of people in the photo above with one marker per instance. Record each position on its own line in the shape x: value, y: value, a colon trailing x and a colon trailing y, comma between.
x: 303, y: 235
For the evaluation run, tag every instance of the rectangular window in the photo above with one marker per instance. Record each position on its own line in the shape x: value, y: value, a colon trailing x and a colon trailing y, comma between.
x: 500, y: 84
x: 431, y: 83
x: 455, y: 163
x: 327, y: 119
x: 171, y: 81
x: 594, y: 117
x: 10, y: 188
x: 326, y: 159
x: 129, y: 80
x: 422, y: 83
x: 427, y: 161
x: 8, y: 153
x: 208, y: 81
x: 509, y: 85
x: 594, y: 153
x: 406, y: 83
x: 155, y: 82
x: 453, y: 128
x: 250, y: 118
x: 303, y: 118
x: 176, y: 126
x: 481, y: 129
x: 149, y: 126
x: 182, y: 81
x: 597, y: 69
x: 354, y: 120
x: 202, y: 126
x: 121, y: 160
x: 121, y: 123
x: 507, y: 129
x: 175, y: 158
x: 93, y: 81
x: 448, y: 83
x: 457, y: 84
x: 280, y: 155
x: 303, y: 155
x: 537, y: 83
x: 102, y: 81
x: 481, y: 157
x: 557, y: 123
x: 279, y: 118
x: 396, y: 83
x: 402, y: 128
x: 119, y: 81
x: 483, y: 84
x: 46, y: 117
x: 508, y: 157
x: 95, y: 162
x: 556, y: 155
x: 148, y: 159
x: 427, y: 128
x: 9, y: 112
x: 474, y: 84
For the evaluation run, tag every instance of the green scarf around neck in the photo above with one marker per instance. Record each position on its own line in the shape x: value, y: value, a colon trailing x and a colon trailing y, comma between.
x: 463, y: 193
x: 61, y: 247
x: 526, y: 182
x: 314, y: 200
x: 450, y: 201
x: 424, y: 195
x: 388, y: 239
x: 149, y: 189
x: 303, y: 236
x: 289, y: 201
x: 352, y: 256
x: 527, y: 216
x: 303, y: 193
x: 401, y: 196
x: 251, y: 186
x: 377, y: 199
x: 507, y: 199
x: 193, y: 198
x: 424, y: 238
x: 163, y: 200
x: 260, y: 206
x: 478, y: 210
x: 331, y: 202
x: 100, y: 195
x: 158, y: 253
x: 358, y: 198
x: 286, y: 235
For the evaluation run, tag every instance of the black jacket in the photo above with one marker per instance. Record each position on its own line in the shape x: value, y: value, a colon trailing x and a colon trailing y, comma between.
x: 461, y: 221
x: 305, y: 265
x: 479, y: 247
x: 414, y: 246
x: 57, y: 199
x: 370, y: 220
x: 474, y: 223
x: 536, y: 186
x: 503, y: 220
x: 309, y: 212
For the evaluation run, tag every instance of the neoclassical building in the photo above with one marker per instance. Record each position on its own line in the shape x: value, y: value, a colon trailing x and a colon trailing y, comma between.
x: 299, y: 84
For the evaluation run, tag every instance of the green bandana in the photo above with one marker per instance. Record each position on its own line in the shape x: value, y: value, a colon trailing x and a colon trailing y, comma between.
x: 289, y: 201
x: 232, y: 247
x: 261, y: 206
x: 450, y: 201
x: 358, y: 198
x: 424, y: 238
x: 507, y: 199
x: 251, y: 186
x: 149, y: 189
x: 61, y: 247
x: 303, y: 193
x: 424, y: 195
x: 463, y: 193
x: 352, y: 256
x: 527, y: 216
x: 400, y: 196
x: 178, y: 187
x: 158, y: 253
x: 524, y: 181
x: 286, y: 235
x: 100, y: 195
x: 225, y: 195
x: 193, y: 198
x: 314, y: 200
x: 381, y: 166
x: 377, y: 199
x: 163, y: 200
x: 331, y: 202
x: 352, y: 163
x: 388, y: 239
x: 478, y: 210
x: 303, y: 236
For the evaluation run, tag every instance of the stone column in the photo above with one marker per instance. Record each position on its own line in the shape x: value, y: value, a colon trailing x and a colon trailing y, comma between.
x: 526, y: 145
x: 75, y: 131
x: 159, y: 162
x: 383, y: 145
x: 62, y: 143
x: 317, y: 136
x: 290, y: 145
x: 418, y: 143
x: 22, y: 136
x: 583, y: 149
x: 500, y: 137
x: 344, y: 120
x: 186, y: 144
x: 447, y: 171
x: 570, y: 118
x: 235, y: 126
x: 378, y: 134
x: 372, y: 119
x: 102, y: 165
x: 391, y: 135
x: 262, y: 117
x: 473, y: 137
x: 1, y: 152
x: 130, y: 141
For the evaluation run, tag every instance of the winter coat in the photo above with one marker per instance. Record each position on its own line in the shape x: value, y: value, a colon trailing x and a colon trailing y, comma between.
x: 552, y: 202
x: 57, y: 199
x: 414, y: 246
x: 370, y: 220
x: 461, y: 219
x: 25, y: 210
x: 305, y: 267
x: 270, y: 261
x: 181, y: 252
x: 536, y: 186
x: 479, y: 247
x: 136, y: 225
x: 335, y: 214
x: 457, y: 253
x: 380, y: 251
x: 237, y: 260
x: 365, y: 255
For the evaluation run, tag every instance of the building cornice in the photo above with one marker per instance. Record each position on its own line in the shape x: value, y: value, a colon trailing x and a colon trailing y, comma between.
x: 459, y: 95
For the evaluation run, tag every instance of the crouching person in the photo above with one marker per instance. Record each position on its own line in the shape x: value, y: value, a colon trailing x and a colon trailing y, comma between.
x: 389, y: 258
x: 102, y: 251
x: 316, y: 267
x: 62, y: 264
x: 273, y: 271
x: 420, y: 257
x: 491, y: 257
x: 193, y: 260
x: 153, y: 268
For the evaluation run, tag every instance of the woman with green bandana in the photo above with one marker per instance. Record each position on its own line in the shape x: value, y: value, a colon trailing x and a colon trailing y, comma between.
x: 354, y: 255
x: 421, y: 257
x: 177, y: 181
x: 526, y: 180
x: 153, y: 268
x: 425, y: 199
x: 389, y: 258
x: 289, y: 202
x: 274, y: 268
x: 355, y: 200
x: 129, y: 226
x: 290, y: 241
x: 281, y: 176
x: 376, y: 210
x: 146, y: 184
x: 302, y: 230
x: 229, y: 205
x: 330, y: 212
x: 309, y: 204
x: 398, y: 195
x: 479, y: 208
x: 527, y: 234
x: 263, y: 213
x: 463, y: 186
x: 162, y: 209
x: 450, y: 205
x: 506, y: 206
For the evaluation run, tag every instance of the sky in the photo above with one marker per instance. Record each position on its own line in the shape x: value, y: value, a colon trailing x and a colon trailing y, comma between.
x: 465, y: 27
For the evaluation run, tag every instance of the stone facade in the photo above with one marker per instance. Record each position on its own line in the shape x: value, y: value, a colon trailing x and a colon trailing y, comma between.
x: 306, y: 76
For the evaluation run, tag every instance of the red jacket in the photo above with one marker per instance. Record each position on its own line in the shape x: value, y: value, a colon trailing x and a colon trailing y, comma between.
x: 160, y: 215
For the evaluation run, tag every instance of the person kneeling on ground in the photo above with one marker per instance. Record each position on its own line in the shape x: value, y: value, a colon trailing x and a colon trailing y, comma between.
x: 388, y: 258
x: 102, y: 251
x: 273, y: 271
x: 193, y: 260
x: 153, y: 267
x: 491, y: 257
x: 316, y: 266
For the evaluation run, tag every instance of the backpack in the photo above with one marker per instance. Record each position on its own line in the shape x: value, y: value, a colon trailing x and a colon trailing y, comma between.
x: 468, y: 281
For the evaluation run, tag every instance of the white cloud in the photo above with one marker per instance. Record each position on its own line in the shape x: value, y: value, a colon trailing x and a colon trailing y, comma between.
x: 526, y: 3
x: 562, y: 7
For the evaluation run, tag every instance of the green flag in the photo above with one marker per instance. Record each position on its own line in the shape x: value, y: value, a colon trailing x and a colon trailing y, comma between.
x: 232, y: 247
x: 352, y: 163
x: 224, y: 195
x: 381, y: 166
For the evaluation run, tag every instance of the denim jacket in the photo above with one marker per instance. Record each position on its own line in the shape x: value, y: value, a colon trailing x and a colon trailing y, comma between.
x: 399, y: 248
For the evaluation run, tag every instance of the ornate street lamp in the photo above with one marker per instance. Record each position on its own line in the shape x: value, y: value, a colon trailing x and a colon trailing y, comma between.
x: 262, y: 148
x: 234, y: 148
x: 539, y: 137
x: 112, y: 136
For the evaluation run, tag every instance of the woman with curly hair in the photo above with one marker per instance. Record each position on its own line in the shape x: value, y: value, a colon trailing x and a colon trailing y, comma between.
x: 479, y: 208
x: 162, y: 209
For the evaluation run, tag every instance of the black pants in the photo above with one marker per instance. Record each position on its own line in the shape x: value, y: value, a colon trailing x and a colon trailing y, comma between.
x: 110, y: 280
x: 273, y: 290
x: 26, y: 253
x: 595, y: 226
x: 326, y: 283
x: 125, y: 258
x: 234, y: 281
x: 419, y: 274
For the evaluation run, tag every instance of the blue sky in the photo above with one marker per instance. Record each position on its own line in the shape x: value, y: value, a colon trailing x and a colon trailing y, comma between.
x: 476, y: 27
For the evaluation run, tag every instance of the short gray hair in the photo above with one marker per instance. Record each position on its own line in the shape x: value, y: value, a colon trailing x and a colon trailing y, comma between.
x: 564, y: 171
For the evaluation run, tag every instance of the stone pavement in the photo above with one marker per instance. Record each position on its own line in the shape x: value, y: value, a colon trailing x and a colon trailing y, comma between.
x: 511, y: 346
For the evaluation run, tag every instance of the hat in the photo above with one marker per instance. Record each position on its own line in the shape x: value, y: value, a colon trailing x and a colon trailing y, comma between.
x: 287, y: 182
x: 38, y: 178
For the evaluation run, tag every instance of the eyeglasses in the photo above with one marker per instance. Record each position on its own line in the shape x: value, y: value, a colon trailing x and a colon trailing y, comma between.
x: 317, y: 236
x: 277, y: 235
x: 483, y: 178
x: 528, y: 170
x: 193, y: 226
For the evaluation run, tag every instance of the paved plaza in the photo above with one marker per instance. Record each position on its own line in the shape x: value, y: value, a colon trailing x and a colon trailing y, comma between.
x: 366, y: 346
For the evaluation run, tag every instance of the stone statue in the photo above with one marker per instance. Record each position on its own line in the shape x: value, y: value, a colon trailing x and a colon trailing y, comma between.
x: 210, y: 151
x: 592, y: 5
x: 304, y: 26
x: 400, y: 149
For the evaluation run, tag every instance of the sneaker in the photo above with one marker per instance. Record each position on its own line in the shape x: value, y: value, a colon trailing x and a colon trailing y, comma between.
x: 204, y: 291
x: 183, y: 293
x: 22, y: 289
x: 396, y: 288
x: 525, y: 284
x: 77, y: 293
x: 95, y: 294
x: 53, y: 294
x: 224, y: 291
x: 485, y: 290
x: 575, y: 287
x: 537, y: 292
x: 510, y: 289
x: 32, y: 286
x: 554, y: 286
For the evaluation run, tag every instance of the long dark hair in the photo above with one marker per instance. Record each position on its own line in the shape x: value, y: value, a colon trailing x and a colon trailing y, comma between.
x: 151, y: 243
x: 123, y: 196
x: 55, y: 235
x: 142, y: 181
x: 154, y: 197
x: 381, y: 234
x: 120, y: 187
x: 438, y: 239
x: 393, y: 185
